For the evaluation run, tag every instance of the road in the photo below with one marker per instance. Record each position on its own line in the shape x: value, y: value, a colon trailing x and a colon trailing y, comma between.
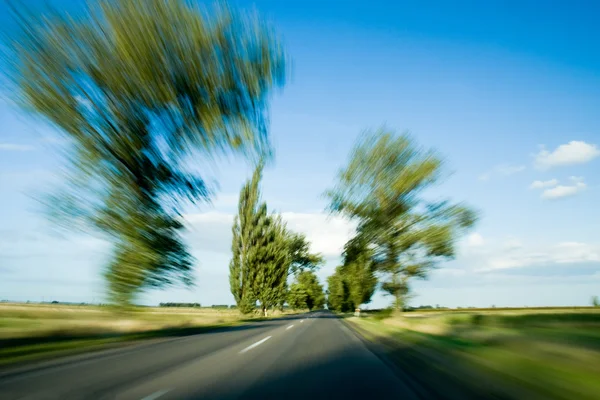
x: 310, y: 356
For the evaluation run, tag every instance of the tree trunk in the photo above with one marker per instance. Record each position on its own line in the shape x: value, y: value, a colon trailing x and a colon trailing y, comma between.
x: 264, y: 310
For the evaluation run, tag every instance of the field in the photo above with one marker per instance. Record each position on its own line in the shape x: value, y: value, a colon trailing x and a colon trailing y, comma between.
x: 529, y: 353
x: 32, y: 331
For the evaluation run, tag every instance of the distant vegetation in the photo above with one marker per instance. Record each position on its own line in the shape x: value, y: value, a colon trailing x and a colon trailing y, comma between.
x: 180, y: 305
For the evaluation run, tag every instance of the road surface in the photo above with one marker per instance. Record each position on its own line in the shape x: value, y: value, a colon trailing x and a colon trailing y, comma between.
x: 310, y: 356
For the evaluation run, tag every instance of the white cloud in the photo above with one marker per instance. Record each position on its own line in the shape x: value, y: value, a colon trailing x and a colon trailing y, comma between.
x: 561, y: 191
x: 502, y: 170
x: 574, y: 152
x: 475, y: 240
x: 15, y: 147
x: 513, y: 254
x: 327, y: 234
x: 211, y: 231
x: 543, y: 184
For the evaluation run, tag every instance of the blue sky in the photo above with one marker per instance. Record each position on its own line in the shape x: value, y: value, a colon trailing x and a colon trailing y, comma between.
x: 507, y: 91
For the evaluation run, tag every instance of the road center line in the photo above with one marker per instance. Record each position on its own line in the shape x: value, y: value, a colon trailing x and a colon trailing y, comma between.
x: 255, y: 344
x: 156, y: 395
x: 291, y: 326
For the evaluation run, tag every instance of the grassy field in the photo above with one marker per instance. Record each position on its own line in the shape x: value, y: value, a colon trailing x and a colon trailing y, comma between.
x: 531, y: 353
x: 34, y: 331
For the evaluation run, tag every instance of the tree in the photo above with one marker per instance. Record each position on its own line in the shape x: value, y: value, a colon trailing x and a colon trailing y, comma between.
x: 261, y: 257
x: 246, y: 231
x: 270, y: 263
x: 297, y: 297
x: 595, y: 301
x: 338, y: 293
x: 358, y: 271
x: 380, y: 188
x: 302, y: 259
x: 138, y: 87
x: 315, y: 296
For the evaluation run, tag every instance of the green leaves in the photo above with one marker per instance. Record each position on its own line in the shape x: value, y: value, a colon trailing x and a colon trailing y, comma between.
x: 139, y: 87
x: 302, y: 258
x: 338, y: 292
x: 271, y: 264
x: 247, y: 232
x: 308, y: 283
x: 401, y: 235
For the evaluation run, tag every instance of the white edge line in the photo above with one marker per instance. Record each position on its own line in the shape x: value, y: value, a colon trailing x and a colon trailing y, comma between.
x: 255, y: 344
x: 156, y: 395
x: 291, y: 326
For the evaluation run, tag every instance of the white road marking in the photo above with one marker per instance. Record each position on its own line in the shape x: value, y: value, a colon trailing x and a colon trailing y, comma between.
x: 255, y: 344
x: 291, y: 326
x: 301, y: 321
x: 156, y: 395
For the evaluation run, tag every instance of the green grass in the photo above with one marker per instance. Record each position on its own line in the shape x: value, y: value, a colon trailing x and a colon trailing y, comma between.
x: 552, y: 355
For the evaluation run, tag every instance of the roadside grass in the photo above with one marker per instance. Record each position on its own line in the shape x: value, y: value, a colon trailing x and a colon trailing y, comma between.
x: 41, y: 331
x: 549, y: 355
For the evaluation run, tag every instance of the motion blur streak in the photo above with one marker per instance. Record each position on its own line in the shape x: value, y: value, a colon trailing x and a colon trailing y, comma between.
x: 140, y: 88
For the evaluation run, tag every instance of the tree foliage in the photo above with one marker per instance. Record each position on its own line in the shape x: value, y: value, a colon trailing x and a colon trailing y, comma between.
x: 270, y: 264
x: 309, y: 283
x: 358, y: 271
x: 297, y: 297
x: 264, y: 253
x: 301, y: 257
x: 246, y: 232
x: 138, y: 87
x: 381, y: 188
x: 338, y: 293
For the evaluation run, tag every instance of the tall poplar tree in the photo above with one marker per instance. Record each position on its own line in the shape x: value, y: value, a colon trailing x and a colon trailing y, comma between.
x: 270, y: 263
x: 247, y: 230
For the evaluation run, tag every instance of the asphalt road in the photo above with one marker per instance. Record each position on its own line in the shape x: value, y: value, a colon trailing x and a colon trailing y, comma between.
x: 311, y: 356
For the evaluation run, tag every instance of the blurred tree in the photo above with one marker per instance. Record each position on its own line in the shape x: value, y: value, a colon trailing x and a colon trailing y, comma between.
x: 380, y: 188
x: 302, y: 259
x: 358, y: 270
x: 140, y: 87
x: 338, y: 293
x: 595, y: 301
x: 315, y: 296
x: 297, y: 297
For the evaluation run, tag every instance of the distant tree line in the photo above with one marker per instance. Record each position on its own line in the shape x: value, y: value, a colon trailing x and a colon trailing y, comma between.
x: 189, y: 305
